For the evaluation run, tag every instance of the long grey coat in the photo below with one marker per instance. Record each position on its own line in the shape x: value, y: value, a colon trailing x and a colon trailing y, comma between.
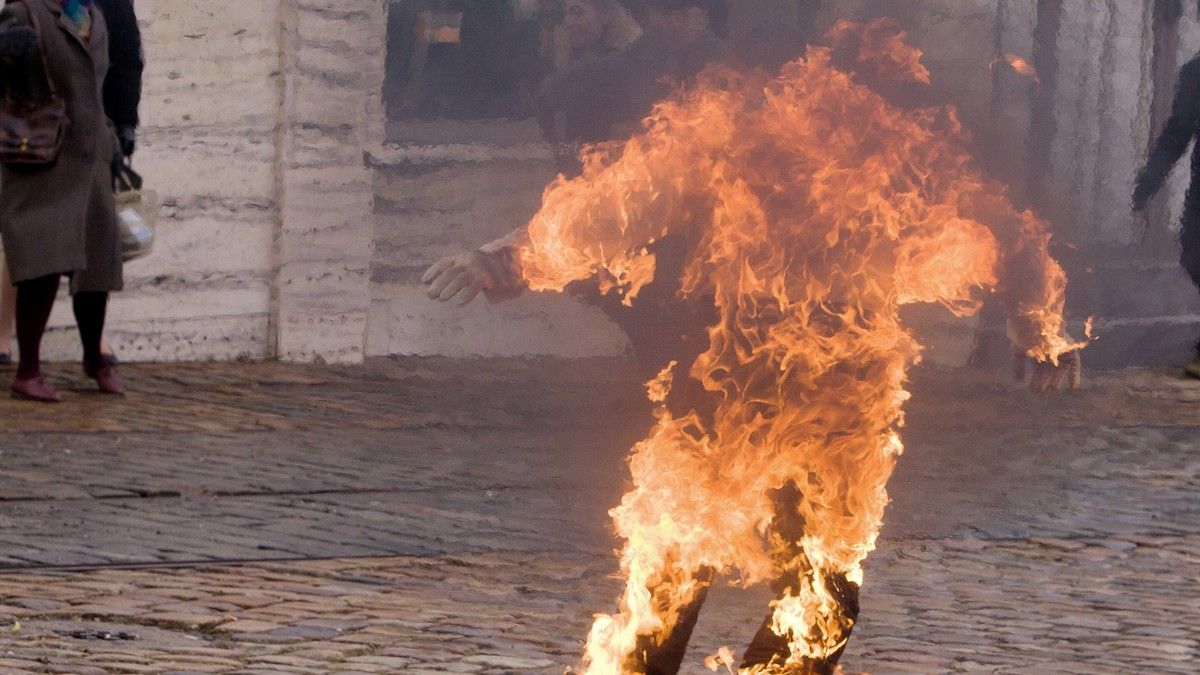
x: 61, y: 218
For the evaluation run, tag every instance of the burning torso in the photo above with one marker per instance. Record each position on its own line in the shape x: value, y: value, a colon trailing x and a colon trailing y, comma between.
x: 819, y: 210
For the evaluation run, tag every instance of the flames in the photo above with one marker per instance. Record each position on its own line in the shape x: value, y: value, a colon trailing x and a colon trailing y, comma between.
x: 818, y: 209
x: 1018, y: 65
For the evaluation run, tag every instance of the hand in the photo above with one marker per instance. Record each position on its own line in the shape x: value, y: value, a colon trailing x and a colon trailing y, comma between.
x: 117, y: 165
x: 127, y: 135
x: 1048, y: 377
x: 465, y: 276
x: 18, y: 41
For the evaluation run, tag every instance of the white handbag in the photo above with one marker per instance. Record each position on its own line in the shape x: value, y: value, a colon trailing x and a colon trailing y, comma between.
x: 137, y: 214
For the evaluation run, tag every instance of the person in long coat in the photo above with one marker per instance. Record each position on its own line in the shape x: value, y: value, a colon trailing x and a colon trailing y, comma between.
x: 60, y: 219
x: 122, y: 98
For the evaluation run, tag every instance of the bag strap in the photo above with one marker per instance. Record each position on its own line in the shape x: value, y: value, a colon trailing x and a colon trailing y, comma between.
x: 37, y: 28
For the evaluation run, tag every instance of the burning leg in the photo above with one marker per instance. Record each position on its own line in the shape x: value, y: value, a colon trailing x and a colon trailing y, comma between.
x: 770, y: 651
x: 665, y: 656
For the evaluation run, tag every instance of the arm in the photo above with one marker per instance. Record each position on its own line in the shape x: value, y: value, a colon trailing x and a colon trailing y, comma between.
x: 993, y: 246
x: 17, y: 35
x: 1033, y: 287
x: 123, y: 85
x: 1175, y: 137
x: 628, y: 196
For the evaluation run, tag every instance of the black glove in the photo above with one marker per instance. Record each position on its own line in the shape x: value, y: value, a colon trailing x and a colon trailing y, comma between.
x: 117, y: 165
x: 17, y: 41
x: 127, y: 134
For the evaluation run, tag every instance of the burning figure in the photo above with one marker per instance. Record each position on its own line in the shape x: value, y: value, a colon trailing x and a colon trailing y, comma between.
x: 812, y: 210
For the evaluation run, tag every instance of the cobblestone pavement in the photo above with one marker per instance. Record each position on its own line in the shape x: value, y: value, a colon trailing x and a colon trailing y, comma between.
x: 449, y: 516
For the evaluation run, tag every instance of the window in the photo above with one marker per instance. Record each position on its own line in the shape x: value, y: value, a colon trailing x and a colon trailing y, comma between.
x: 467, y: 59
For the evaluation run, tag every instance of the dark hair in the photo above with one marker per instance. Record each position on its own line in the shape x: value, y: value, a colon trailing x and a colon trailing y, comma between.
x: 717, y: 10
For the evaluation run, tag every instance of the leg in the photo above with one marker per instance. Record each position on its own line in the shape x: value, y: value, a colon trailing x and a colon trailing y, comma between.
x: 1189, y: 257
x: 8, y: 310
x: 90, y: 310
x: 666, y: 657
x: 768, y: 648
x: 35, y: 300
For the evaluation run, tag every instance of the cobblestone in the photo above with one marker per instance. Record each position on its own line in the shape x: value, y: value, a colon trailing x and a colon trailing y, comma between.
x: 450, y: 516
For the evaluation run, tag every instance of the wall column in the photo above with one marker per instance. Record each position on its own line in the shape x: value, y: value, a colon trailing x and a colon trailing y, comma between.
x: 332, y: 63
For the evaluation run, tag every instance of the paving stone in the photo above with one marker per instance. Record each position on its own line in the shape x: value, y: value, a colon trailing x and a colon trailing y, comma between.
x: 440, y: 516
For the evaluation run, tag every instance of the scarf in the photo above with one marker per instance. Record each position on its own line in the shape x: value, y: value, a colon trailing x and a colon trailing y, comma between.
x: 77, y: 12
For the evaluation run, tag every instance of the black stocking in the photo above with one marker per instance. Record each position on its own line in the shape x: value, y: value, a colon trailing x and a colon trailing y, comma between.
x: 35, y: 300
x: 90, y: 309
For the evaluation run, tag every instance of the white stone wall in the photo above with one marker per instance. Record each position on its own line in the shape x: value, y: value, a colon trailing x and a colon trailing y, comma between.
x: 264, y: 135
x: 333, y: 63
x: 434, y: 200
x: 291, y: 228
x: 209, y: 146
x: 256, y: 117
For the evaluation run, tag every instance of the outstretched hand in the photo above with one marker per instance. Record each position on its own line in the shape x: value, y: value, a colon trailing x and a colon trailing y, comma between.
x: 1047, y: 376
x: 466, y: 275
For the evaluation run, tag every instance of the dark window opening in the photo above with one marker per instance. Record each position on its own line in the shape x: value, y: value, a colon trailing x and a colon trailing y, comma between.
x: 467, y: 59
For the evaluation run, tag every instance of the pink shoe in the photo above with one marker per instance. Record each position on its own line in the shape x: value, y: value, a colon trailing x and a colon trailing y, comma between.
x: 34, y: 389
x: 107, y: 378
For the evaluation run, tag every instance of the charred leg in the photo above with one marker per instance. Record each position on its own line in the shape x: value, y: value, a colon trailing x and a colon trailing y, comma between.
x: 665, y: 656
x: 771, y: 649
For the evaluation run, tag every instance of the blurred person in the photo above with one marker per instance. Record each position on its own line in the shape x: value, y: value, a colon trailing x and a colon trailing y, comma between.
x: 594, y: 29
x: 1181, y: 128
x: 122, y: 86
x: 604, y: 93
x: 60, y: 219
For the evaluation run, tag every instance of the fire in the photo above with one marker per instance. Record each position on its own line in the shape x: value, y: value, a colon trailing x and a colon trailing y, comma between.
x: 819, y: 210
x: 1019, y: 66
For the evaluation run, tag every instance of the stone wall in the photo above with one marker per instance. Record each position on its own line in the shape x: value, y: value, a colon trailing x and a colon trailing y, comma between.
x: 289, y: 227
x: 442, y: 187
x: 209, y: 146
x: 296, y: 220
x: 256, y: 118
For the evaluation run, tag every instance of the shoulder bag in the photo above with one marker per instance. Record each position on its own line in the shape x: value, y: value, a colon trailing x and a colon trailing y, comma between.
x: 31, y: 132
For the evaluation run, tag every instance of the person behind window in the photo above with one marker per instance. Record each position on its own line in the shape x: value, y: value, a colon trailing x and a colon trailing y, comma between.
x: 593, y: 29
x: 60, y: 219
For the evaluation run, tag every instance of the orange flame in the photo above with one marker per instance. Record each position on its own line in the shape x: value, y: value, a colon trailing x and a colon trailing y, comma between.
x: 820, y: 209
x: 1019, y: 66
